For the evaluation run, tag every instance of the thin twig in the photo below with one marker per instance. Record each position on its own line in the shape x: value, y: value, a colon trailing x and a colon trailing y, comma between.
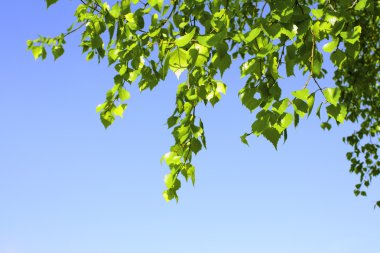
x: 74, y: 30
x: 91, y: 7
x: 312, y: 61
x: 262, y: 10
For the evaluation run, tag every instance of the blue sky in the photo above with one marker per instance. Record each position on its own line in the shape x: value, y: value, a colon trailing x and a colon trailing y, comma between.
x: 69, y: 186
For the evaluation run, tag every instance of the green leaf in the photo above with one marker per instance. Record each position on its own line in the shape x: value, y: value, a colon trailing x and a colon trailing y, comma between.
x: 252, y: 67
x: 195, y: 145
x: 119, y: 110
x: 338, y: 112
x: 259, y: 125
x: 152, y: 2
x: 300, y: 107
x: 191, y: 173
x: 310, y: 102
x: 171, y: 158
x: 296, y: 119
x: 107, y: 118
x: 113, y: 55
x: 330, y: 46
x: 37, y: 52
x: 301, y: 94
x: 172, y: 121
x: 273, y: 30
x: 338, y: 58
x: 317, y: 64
x: 318, y: 113
x: 360, y: 5
x: 50, y: 2
x: 123, y: 94
x: 169, y: 180
x: 273, y: 67
x: 326, y: 125
x: 280, y: 106
x: 178, y: 61
x: 248, y: 100
x: 221, y: 87
x: 100, y: 107
x: 332, y: 95
x: 286, y: 120
x: 115, y: 11
x: 353, y: 35
x: 57, y: 51
x: 168, y: 194
x: 222, y: 62
x: 185, y: 39
x: 251, y: 35
x: 199, y: 55
x: 275, y: 91
x: 272, y: 135
x: 318, y: 13
x: 213, y: 39
x: 243, y: 139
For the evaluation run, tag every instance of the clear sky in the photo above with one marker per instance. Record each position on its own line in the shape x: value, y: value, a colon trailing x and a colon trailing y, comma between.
x: 69, y: 186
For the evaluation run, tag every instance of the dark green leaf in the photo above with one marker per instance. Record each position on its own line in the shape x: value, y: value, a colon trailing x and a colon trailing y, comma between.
x: 50, y: 2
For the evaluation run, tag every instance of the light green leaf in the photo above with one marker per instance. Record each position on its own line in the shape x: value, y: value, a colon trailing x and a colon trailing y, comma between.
x: 286, y: 120
x: 330, y: 46
x: 301, y: 94
x: 119, y: 110
x: 113, y: 55
x: 37, y: 52
x: 168, y: 195
x: 199, y: 54
x: 115, y: 11
x: 123, y: 94
x: 318, y: 13
x: 100, y: 107
x: 171, y: 158
x: 221, y: 87
x: 352, y: 36
x: 332, y: 95
x: 251, y: 35
x: 185, y: 39
x: 178, y: 61
x: 361, y: 5
x: 152, y: 2
x: 280, y: 106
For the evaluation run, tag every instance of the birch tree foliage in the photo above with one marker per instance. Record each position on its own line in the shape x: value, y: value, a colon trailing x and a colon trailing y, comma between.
x: 145, y: 40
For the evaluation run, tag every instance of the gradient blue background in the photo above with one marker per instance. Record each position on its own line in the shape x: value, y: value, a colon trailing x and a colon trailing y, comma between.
x: 69, y: 186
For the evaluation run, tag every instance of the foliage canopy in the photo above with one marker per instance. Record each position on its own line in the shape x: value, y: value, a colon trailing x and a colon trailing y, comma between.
x: 144, y: 39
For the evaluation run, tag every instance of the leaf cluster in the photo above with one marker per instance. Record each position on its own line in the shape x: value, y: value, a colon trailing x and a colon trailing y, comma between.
x: 143, y: 40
